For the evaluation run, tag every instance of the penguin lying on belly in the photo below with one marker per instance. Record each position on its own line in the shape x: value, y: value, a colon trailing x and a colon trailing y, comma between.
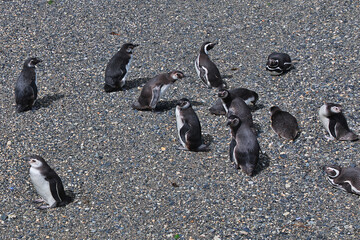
x: 189, y: 128
x: 347, y: 179
x: 154, y: 89
x: 47, y: 183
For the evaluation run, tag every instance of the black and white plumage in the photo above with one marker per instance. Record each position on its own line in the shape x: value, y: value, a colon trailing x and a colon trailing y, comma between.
x: 244, y: 147
x: 283, y: 123
x: 26, y: 90
x: 154, y: 89
x: 278, y: 63
x: 189, y: 128
x: 347, y: 179
x: 335, y: 123
x: 118, y: 68
x: 207, y: 71
x: 47, y: 183
x: 249, y: 97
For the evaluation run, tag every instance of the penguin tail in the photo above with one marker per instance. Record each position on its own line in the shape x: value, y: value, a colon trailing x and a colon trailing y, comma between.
x: 109, y: 88
x: 350, y: 136
x: 217, y: 110
x: 138, y: 106
x: 22, y: 108
x: 248, y: 169
x: 203, y: 148
x: 69, y: 197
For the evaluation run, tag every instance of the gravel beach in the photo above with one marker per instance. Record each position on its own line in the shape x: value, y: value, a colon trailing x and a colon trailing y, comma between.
x: 129, y: 179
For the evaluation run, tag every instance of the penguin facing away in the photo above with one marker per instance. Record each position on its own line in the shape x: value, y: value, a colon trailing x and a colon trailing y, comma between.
x: 278, y: 63
x: 26, y: 88
x: 118, y: 68
x: 346, y: 179
x: 207, y: 71
x: 244, y: 147
x: 249, y: 97
x: 47, y: 183
x: 189, y: 128
x: 335, y: 123
x: 284, y: 124
x: 154, y: 89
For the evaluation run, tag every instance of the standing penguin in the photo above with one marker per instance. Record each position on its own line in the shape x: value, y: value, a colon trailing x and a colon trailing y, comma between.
x: 206, y: 69
x: 118, y: 67
x: 278, y: 63
x: 335, y: 123
x: 347, y: 179
x: 26, y: 89
x: 154, y: 89
x: 244, y: 147
x: 189, y: 128
x: 247, y: 95
x: 283, y: 123
x: 47, y: 183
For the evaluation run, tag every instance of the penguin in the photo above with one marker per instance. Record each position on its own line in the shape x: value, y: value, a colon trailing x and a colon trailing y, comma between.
x: 250, y: 97
x: 347, y: 179
x: 154, y: 89
x: 118, y: 67
x: 244, y: 147
x: 335, y: 123
x: 278, y: 63
x: 189, y: 128
x: 26, y: 90
x: 47, y: 183
x: 283, y: 123
x: 207, y: 71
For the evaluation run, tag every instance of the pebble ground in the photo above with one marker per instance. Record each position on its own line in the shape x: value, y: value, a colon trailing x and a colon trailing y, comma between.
x: 129, y: 179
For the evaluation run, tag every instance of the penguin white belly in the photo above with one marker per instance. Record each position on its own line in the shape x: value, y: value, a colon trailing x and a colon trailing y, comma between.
x: 197, y: 66
x: 249, y: 100
x: 42, y: 186
x: 163, y: 89
x: 122, y: 82
x: 225, y: 107
x: 179, y: 124
x: 325, y: 120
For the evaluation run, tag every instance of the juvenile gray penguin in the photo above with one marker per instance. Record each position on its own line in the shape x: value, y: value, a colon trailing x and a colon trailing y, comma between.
x: 278, y: 63
x: 335, y: 123
x: 154, y: 89
x: 249, y: 97
x: 207, y: 71
x: 47, y: 183
x: 347, y: 179
x: 118, y: 68
x: 189, y: 128
x: 244, y: 147
x: 283, y: 123
x: 26, y: 90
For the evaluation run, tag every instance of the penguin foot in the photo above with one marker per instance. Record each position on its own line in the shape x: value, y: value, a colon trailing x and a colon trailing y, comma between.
x: 182, y: 148
x: 330, y: 138
x: 44, y: 207
x: 39, y: 200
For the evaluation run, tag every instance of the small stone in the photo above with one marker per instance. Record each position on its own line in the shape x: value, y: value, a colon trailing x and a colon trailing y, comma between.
x: 286, y: 213
x: 288, y: 185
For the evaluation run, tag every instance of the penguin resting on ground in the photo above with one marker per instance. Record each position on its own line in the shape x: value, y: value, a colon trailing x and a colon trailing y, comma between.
x: 189, y: 128
x: 244, y: 147
x: 278, y: 63
x: 47, y: 183
x: 335, y: 123
x: 247, y: 95
x: 154, y: 89
x: 26, y: 89
x: 118, y: 68
x: 207, y: 71
x: 283, y: 123
x: 347, y: 179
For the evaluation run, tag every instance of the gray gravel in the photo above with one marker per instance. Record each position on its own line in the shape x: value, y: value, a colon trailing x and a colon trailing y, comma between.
x: 129, y: 179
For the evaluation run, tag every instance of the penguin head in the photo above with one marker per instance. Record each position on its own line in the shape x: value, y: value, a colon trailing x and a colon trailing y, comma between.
x: 207, y: 46
x: 175, y: 75
x: 223, y: 93
x: 274, y: 109
x: 334, y: 108
x: 36, y: 161
x: 233, y: 121
x: 128, y: 47
x: 272, y: 63
x: 332, y: 171
x: 31, y: 62
x: 183, y: 103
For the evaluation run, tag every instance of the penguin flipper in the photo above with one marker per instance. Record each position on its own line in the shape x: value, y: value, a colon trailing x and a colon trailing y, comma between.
x: 24, y: 99
x: 332, y: 125
x: 156, y: 91
x: 204, y: 76
x: 185, y: 128
x: 56, y: 187
x: 231, y: 151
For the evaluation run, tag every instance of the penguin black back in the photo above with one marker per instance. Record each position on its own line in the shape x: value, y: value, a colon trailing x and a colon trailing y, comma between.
x: 347, y: 179
x: 118, y: 67
x: 26, y: 90
x: 283, y: 123
x: 278, y: 63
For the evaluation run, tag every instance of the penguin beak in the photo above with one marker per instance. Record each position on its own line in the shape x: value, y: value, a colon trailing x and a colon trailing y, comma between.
x: 135, y: 45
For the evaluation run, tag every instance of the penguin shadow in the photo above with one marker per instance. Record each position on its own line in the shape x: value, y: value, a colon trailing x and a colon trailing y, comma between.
x: 47, y: 100
x: 264, y: 162
x: 256, y: 107
x: 135, y: 83
x: 163, y: 106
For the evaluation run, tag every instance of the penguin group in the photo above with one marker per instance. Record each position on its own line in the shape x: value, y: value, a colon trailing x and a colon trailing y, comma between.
x: 235, y: 104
